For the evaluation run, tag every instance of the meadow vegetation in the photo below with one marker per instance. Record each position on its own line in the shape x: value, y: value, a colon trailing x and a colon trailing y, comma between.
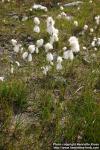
x: 37, y: 110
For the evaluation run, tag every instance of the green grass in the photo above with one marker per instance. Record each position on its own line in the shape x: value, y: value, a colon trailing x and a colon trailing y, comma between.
x: 36, y: 110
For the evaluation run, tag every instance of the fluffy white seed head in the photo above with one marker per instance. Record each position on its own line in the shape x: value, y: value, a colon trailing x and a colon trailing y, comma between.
x: 84, y: 48
x: 31, y: 48
x: 39, y: 43
x: 55, y: 31
x: 59, y: 66
x: 73, y: 39
x: 64, y: 48
x: 74, y: 44
x: 97, y: 19
x: 63, y: 14
x: 17, y: 48
x: 36, y: 21
x: 13, y: 42
x: 49, y: 57
x: 50, y: 21
x: 59, y: 59
x: 54, y: 38
x: 85, y: 27
x: 25, y: 55
x: 48, y: 47
x: 93, y: 44
x: 36, y: 29
x: 50, y: 26
x: 91, y: 30
x: 68, y: 55
x: 95, y: 48
x: 29, y: 57
x: 50, y: 29
x: 76, y: 23
x: 46, y: 69
x: 61, y: 8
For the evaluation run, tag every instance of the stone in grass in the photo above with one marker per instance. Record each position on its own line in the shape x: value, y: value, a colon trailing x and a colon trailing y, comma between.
x: 73, y: 4
x: 60, y: 79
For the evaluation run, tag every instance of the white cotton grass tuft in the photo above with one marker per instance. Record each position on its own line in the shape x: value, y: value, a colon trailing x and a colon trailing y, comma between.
x: 76, y: 23
x: 54, y: 38
x: 48, y: 46
x: 50, y: 26
x: 36, y: 29
x: 85, y: 27
x: 97, y: 19
x: 53, y: 32
x: 93, y: 44
x: 75, y: 47
x: 95, y: 49
x: 30, y: 9
x: 36, y: 21
x: 61, y: 8
x: 49, y: 58
x: 65, y: 16
x: 39, y: 43
x: 50, y: 21
x: 30, y: 57
x: 46, y: 69
x: 78, y: 8
x: 64, y: 48
x: 31, y: 48
x: 59, y: 66
x: 68, y: 55
x: 50, y: 30
x: 25, y: 55
x: 17, y: 48
x: 91, y: 30
x: 2, y: 79
x: 13, y: 42
x: 59, y: 59
x: 84, y: 48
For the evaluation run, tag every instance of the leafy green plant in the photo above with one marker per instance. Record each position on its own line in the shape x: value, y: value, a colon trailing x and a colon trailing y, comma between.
x: 14, y: 93
x: 83, y: 119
